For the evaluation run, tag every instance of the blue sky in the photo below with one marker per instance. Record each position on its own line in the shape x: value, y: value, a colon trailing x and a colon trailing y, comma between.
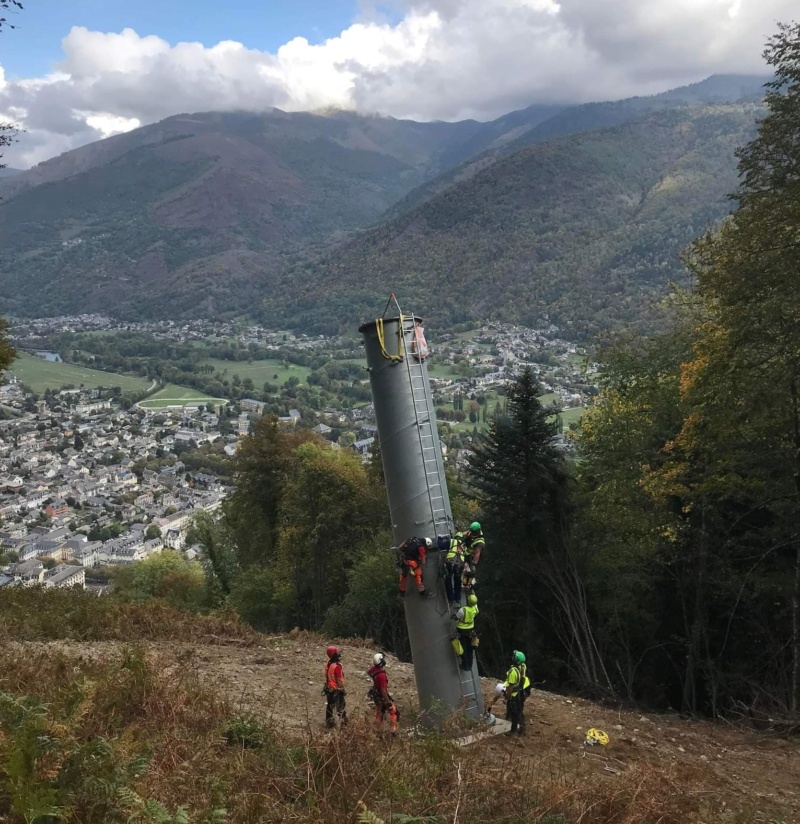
x: 33, y: 48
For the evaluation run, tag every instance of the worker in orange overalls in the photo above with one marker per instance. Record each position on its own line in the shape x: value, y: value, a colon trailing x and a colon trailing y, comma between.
x: 334, y: 688
x: 384, y: 703
x: 412, y: 559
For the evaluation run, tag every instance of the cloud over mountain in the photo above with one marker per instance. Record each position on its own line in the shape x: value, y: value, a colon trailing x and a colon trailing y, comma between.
x: 437, y: 59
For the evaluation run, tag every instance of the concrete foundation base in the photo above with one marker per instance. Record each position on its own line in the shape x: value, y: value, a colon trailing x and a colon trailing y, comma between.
x: 498, y: 728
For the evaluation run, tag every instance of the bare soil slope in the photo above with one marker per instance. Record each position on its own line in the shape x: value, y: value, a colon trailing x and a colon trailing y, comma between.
x: 746, y: 776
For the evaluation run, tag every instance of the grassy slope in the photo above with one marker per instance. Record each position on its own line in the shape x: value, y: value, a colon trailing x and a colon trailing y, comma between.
x: 172, y: 395
x: 40, y: 374
x: 260, y: 371
x: 207, y: 714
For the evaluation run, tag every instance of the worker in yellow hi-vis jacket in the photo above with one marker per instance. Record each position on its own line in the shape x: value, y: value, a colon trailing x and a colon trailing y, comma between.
x: 466, y: 630
x: 517, y: 689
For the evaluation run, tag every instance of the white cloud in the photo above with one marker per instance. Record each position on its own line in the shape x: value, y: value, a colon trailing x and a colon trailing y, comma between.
x: 108, y: 124
x: 438, y: 59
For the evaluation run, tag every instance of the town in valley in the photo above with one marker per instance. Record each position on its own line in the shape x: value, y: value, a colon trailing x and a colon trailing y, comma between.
x: 105, y: 473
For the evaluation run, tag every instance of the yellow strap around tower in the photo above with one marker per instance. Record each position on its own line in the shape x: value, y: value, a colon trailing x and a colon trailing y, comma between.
x: 382, y: 339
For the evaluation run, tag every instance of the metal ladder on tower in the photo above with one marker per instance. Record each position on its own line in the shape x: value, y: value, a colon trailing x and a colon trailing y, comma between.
x: 468, y: 688
x: 428, y: 434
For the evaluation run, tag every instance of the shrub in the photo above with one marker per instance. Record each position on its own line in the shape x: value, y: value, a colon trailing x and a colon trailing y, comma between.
x: 37, y: 614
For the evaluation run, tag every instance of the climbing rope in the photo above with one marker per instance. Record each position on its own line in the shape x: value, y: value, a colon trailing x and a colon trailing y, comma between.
x: 382, y: 339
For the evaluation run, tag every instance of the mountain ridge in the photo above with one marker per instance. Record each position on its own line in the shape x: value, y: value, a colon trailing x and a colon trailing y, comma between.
x: 219, y: 213
x: 584, y: 231
x: 139, y: 211
x: 718, y: 88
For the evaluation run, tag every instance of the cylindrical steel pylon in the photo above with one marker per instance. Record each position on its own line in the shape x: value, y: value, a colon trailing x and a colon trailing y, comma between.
x: 420, y: 506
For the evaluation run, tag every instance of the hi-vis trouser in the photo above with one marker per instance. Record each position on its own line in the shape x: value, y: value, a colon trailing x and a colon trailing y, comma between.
x: 381, y: 711
x: 416, y: 570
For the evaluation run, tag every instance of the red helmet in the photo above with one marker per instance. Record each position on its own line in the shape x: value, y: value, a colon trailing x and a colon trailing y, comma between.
x: 332, y: 651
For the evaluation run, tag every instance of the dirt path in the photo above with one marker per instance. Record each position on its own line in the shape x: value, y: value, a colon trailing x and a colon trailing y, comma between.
x: 755, y: 776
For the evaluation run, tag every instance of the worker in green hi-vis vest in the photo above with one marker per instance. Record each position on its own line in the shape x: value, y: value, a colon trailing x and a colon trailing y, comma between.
x: 466, y: 630
x: 517, y: 689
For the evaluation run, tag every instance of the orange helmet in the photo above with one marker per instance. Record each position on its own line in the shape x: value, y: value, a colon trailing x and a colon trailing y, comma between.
x: 332, y: 651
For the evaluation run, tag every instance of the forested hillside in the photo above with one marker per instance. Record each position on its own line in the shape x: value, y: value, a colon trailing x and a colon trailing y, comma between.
x: 661, y: 570
x: 589, y: 117
x: 194, y: 215
x: 584, y: 230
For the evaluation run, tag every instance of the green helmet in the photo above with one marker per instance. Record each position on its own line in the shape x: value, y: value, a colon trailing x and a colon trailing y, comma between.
x: 518, y: 657
x: 472, y: 600
x: 475, y: 526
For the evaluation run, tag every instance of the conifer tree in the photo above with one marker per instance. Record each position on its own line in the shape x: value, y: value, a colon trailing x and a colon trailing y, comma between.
x: 533, y: 580
x: 517, y: 472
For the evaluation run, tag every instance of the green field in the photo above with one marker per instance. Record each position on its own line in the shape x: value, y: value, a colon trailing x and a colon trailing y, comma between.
x: 172, y: 395
x: 40, y: 374
x: 573, y: 415
x: 568, y: 416
x: 259, y: 371
x: 440, y: 369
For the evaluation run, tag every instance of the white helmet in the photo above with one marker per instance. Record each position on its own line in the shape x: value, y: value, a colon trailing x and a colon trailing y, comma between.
x: 428, y: 543
x: 500, y: 689
x: 378, y: 659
